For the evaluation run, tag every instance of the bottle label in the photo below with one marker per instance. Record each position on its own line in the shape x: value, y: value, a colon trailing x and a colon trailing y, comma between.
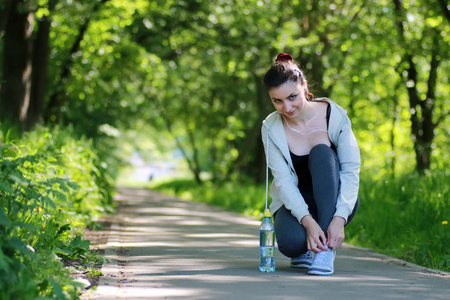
x: 266, y: 237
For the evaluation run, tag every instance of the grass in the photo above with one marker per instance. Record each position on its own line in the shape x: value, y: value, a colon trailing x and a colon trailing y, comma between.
x: 406, y: 217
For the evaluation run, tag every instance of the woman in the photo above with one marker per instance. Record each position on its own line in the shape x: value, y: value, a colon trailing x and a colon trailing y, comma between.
x: 314, y: 158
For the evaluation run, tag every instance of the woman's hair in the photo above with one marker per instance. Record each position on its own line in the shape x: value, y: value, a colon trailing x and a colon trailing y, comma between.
x: 283, y: 70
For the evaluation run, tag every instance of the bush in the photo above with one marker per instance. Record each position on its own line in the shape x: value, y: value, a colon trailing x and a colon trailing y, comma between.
x: 49, y: 191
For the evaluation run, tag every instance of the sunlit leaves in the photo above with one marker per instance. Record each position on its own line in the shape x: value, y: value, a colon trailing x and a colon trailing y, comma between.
x: 198, y: 64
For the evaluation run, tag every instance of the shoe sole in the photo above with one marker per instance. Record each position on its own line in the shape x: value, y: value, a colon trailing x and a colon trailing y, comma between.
x: 320, y: 272
x: 300, y: 266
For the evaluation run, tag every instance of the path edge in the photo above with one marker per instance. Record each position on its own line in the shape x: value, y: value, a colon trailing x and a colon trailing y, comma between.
x: 397, y: 261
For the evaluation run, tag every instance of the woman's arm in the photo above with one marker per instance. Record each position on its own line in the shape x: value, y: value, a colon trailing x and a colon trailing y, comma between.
x: 284, y: 185
x: 350, y: 162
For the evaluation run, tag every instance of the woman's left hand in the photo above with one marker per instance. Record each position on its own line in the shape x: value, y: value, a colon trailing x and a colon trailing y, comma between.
x: 336, y: 233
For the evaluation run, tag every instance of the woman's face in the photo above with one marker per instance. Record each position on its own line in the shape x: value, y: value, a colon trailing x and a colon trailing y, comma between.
x: 288, y: 99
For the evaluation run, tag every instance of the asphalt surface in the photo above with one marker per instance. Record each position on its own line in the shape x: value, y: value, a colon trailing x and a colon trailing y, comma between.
x: 162, y: 247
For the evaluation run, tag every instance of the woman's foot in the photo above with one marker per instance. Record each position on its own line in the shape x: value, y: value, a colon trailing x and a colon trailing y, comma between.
x: 323, y: 263
x: 304, y: 261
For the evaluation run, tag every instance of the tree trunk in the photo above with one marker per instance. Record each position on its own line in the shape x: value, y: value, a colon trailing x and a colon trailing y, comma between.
x: 422, y: 126
x: 445, y: 10
x: 195, y: 162
x: 17, y: 63
x: 392, y: 136
x: 426, y: 131
x: 41, y: 52
x: 4, y: 9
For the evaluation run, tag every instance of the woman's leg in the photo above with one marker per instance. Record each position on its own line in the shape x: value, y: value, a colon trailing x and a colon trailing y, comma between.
x: 324, y: 168
x: 291, y: 235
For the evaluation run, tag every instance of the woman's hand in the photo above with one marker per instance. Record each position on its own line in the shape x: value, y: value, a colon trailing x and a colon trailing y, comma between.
x: 336, y: 233
x: 315, y: 237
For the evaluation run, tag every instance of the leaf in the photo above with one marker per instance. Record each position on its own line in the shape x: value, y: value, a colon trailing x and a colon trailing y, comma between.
x: 8, y: 151
x: 64, y: 228
x: 59, y: 195
x: 7, y: 188
x: 85, y: 245
x: 21, y: 247
x: 62, y: 251
x: 4, y: 219
x: 4, y: 261
x: 18, y: 178
x: 73, y: 185
x: 76, y: 242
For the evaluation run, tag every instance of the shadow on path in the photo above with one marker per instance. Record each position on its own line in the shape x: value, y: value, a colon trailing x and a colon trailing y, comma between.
x: 162, y: 247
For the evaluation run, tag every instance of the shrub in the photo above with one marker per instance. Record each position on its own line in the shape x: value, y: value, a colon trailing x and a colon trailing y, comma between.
x: 49, y: 191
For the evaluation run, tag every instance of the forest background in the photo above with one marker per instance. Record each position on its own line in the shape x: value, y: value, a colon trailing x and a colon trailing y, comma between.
x: 163, y: 77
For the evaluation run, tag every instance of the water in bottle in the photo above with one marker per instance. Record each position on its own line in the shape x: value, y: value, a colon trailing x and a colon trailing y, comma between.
x: 267, y: 243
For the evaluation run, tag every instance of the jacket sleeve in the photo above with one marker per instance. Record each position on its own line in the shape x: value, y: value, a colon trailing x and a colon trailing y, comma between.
x: 350, y: 162
x: 284, y: 188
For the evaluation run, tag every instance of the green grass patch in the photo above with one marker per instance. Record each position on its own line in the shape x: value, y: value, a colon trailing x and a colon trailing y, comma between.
x: 406, y: 217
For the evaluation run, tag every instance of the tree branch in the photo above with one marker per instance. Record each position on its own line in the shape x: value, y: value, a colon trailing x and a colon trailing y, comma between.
x: 445, y: 10
x: 56, y: 101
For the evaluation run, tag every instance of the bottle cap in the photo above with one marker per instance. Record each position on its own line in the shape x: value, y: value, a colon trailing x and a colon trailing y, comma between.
x: 267, y: 213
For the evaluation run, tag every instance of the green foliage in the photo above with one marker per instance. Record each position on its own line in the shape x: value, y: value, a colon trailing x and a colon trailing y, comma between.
x: 48, y: 192
x: 76, y: 249
x: 405, y: 217
x: 192, y: 71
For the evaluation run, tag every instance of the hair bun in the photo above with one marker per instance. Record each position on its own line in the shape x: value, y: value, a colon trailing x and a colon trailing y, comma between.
x: 283, y: 57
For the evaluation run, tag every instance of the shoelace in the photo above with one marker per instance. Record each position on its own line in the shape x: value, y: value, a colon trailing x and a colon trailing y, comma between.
x: 321, y: 257
x: 308, y: 254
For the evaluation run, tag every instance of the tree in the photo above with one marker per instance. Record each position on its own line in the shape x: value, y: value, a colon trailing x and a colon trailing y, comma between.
x: 40, y: 59
x: 26, y: 62
x: 423, y: 46
x: 57, y: 95
x: 202, y: 43
x: 17, y: 61
x: 195, y: 69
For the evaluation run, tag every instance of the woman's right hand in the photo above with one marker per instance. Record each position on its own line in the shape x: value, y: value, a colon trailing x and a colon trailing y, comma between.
x: 315, y: 237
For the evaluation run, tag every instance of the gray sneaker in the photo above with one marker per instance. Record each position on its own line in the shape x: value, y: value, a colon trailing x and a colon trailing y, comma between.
x: 323, y: 263
x: 304, y: 261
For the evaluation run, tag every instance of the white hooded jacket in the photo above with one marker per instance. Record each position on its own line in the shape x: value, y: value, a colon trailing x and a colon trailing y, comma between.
x: 284, y: 189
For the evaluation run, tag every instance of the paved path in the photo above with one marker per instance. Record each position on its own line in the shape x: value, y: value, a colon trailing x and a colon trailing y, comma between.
x: 166, y: 248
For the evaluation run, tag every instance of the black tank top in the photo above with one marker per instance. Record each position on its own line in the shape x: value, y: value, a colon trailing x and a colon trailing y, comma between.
x: 301, y: 166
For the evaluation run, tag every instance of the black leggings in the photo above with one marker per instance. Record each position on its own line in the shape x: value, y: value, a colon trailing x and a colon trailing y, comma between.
x: 324, y: 168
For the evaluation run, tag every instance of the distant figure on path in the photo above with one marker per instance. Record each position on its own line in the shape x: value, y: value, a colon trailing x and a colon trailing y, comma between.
x: 315, y: 161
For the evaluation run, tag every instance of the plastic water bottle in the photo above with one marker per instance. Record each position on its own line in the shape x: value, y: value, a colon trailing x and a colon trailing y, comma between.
x: 267, y: 243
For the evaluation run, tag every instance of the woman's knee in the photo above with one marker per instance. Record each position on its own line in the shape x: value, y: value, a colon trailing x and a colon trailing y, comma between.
x: 323, y: 158
x: 291, y: 248
x: 291, y: 236
x: 321, y: 150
